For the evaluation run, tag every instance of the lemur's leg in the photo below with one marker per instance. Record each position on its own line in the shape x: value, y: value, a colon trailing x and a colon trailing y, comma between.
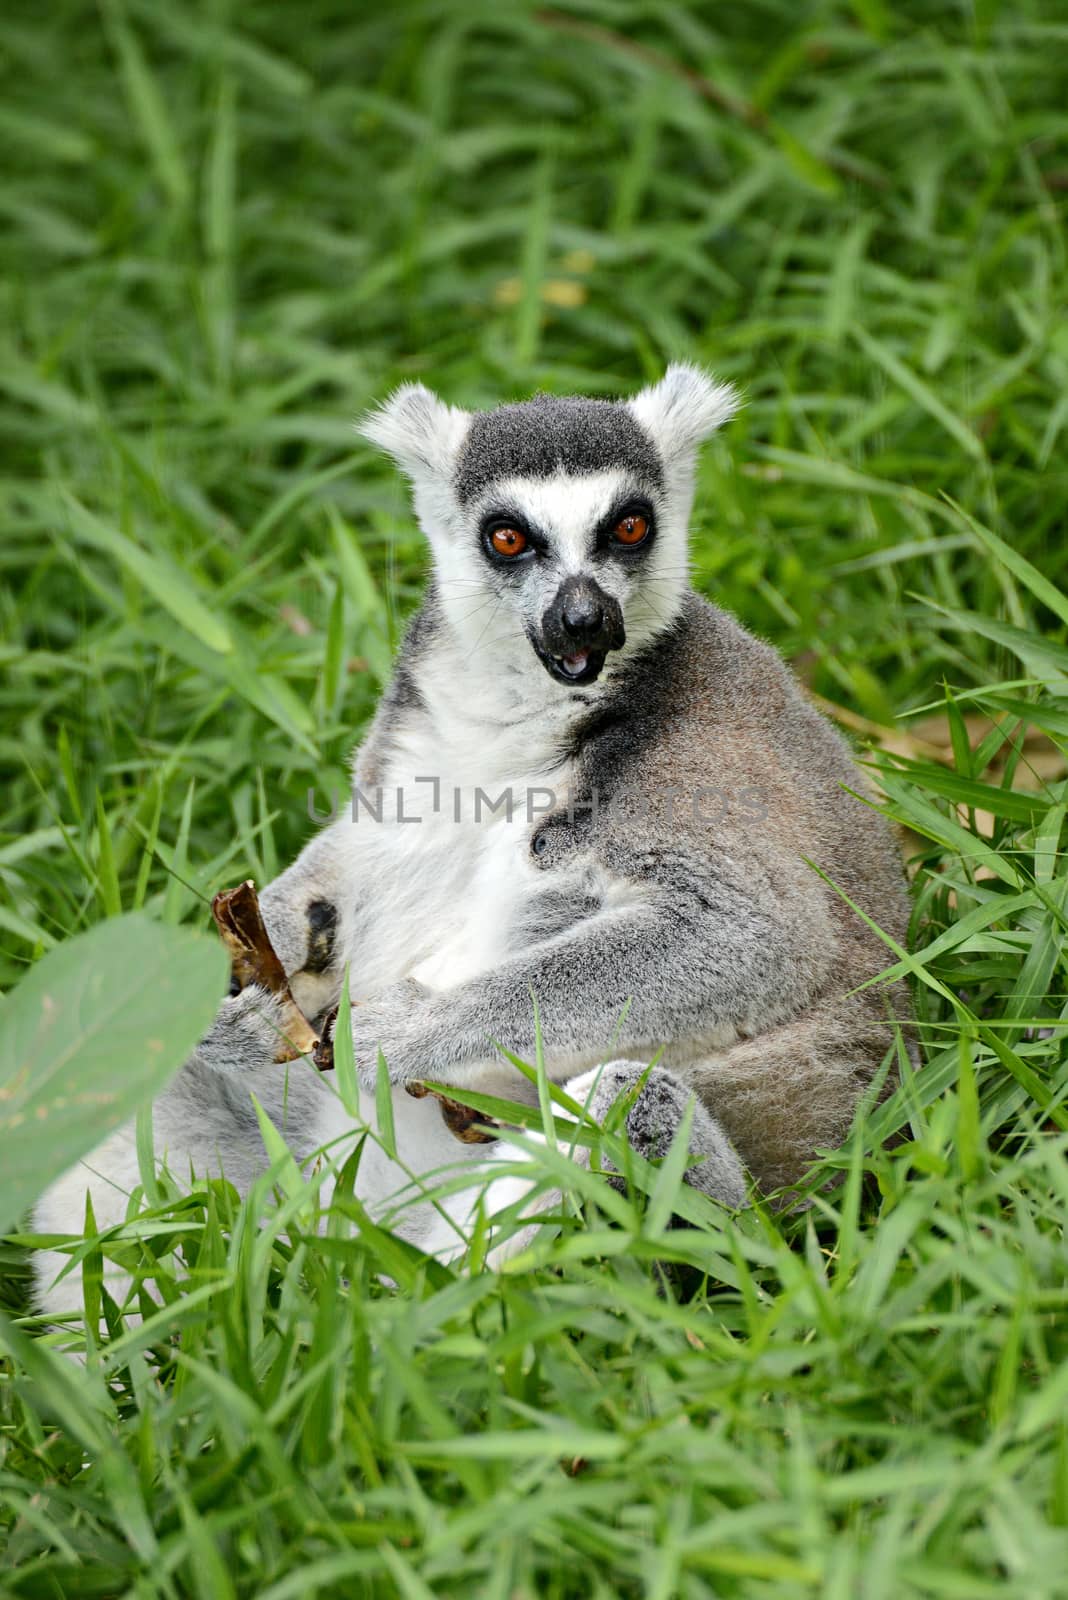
x: 651, y: 1125
x: 794, y: 1089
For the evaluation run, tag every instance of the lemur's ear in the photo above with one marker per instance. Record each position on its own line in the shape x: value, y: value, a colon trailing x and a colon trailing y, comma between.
x: 684, y: 408
x: 420, y: 432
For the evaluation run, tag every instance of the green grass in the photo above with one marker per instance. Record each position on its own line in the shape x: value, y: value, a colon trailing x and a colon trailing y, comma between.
x: 230, y: 230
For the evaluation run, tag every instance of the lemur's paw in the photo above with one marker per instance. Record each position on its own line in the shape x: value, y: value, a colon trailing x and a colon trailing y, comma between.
x: 654, y: 1118
x: 395, y: 1022
x: 246, y: 1033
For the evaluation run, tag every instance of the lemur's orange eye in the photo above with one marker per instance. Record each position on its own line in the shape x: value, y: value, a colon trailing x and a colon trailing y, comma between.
x: 508, y: 541
x: 631, y: 529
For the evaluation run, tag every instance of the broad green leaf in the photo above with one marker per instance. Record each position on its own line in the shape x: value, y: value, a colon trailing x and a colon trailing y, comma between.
x: 94, y: 1031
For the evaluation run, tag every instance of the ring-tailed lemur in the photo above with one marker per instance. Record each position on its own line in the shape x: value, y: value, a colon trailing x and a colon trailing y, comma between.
x: 585, y: 785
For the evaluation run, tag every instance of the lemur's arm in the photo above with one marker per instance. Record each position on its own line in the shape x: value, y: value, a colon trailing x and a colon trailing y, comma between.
x: 303, y: 915
x: 705, y: 948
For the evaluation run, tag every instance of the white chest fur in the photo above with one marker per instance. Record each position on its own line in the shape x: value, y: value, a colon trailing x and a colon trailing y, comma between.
x: 444, y: 837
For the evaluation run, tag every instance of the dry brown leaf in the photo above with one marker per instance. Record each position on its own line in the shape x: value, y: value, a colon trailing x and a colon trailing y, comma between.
x: 254, y: 960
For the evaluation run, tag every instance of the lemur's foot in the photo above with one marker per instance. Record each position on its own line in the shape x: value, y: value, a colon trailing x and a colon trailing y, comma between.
x: 654, y: 1119
x: 651, y: 1123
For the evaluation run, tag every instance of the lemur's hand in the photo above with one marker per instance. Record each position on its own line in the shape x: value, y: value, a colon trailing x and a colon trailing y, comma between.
x: 397, y: 1022
x: 245, y: 1034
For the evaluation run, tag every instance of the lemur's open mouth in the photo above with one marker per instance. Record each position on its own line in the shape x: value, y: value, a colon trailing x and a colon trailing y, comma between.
x: 580, y: 626
x: 583, y: 667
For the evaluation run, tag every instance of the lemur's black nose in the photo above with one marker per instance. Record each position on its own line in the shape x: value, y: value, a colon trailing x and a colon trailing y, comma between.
x: 579, y: 627
x: 582, y: 615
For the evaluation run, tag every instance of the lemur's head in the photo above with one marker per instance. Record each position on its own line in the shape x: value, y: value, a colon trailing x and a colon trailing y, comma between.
x: 558, y: 524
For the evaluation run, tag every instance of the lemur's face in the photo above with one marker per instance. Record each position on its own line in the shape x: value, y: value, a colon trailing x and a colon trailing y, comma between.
x: 559, y: 526
x: 569, y: 557
x: 560, y: 502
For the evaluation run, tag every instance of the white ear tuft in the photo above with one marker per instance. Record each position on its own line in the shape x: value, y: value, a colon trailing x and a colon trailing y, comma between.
x: 684, y: 408
x: 420, y: 432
